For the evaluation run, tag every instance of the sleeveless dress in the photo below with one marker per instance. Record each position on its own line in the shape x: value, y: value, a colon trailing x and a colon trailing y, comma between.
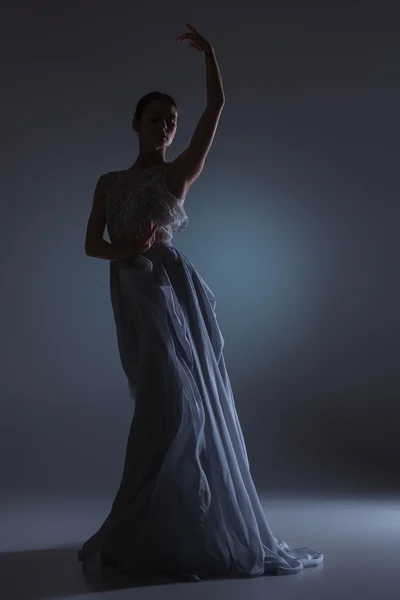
x: 187, y: 503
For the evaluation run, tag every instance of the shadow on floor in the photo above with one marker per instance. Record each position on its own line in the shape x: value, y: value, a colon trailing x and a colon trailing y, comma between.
x: 56, y: 573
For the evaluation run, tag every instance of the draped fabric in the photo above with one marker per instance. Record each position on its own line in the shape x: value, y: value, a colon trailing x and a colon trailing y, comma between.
x: 187, y: 503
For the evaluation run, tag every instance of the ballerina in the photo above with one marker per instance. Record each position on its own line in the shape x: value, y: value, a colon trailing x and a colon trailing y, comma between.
x: 187, y: 504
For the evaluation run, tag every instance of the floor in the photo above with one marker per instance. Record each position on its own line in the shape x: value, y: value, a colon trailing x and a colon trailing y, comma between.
x: 359, y: 536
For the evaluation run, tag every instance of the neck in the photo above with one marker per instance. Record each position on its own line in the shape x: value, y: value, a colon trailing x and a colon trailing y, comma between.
x: 150, y: 158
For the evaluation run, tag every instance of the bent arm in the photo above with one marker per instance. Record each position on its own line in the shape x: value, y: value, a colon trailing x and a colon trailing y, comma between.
x: 190, y: 163
x: 215, y: 88
x: 95, y: 245
x: 103, y: 249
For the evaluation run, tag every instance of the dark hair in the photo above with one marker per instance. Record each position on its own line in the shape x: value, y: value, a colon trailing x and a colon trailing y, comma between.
x: 145, y: 100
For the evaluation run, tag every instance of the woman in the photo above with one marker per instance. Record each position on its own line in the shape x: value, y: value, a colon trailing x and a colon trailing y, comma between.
x: 187, y: 504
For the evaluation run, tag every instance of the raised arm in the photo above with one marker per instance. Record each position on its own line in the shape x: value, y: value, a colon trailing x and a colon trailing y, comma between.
x: 189, y: 164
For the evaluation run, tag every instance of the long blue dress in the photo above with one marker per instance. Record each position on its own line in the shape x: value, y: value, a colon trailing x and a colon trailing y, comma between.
x: 187, y: 503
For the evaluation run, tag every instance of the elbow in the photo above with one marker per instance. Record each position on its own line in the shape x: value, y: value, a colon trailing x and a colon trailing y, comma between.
x: 92, y: 244
x: 88, y: 248
x: 216, y: 105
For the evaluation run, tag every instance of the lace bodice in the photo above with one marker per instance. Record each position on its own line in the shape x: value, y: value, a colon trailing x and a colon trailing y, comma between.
x: 131, y: 203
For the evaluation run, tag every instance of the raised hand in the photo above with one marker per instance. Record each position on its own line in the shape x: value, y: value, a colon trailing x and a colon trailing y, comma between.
x: 196, y: 40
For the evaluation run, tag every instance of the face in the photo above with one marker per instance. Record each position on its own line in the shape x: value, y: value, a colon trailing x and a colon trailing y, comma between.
x: 158, y: 124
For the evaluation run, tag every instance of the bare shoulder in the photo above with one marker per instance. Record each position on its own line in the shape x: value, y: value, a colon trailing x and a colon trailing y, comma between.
x: 104, y: 180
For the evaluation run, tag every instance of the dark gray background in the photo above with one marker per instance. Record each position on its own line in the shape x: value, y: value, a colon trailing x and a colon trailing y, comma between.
x: 293, y: 224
